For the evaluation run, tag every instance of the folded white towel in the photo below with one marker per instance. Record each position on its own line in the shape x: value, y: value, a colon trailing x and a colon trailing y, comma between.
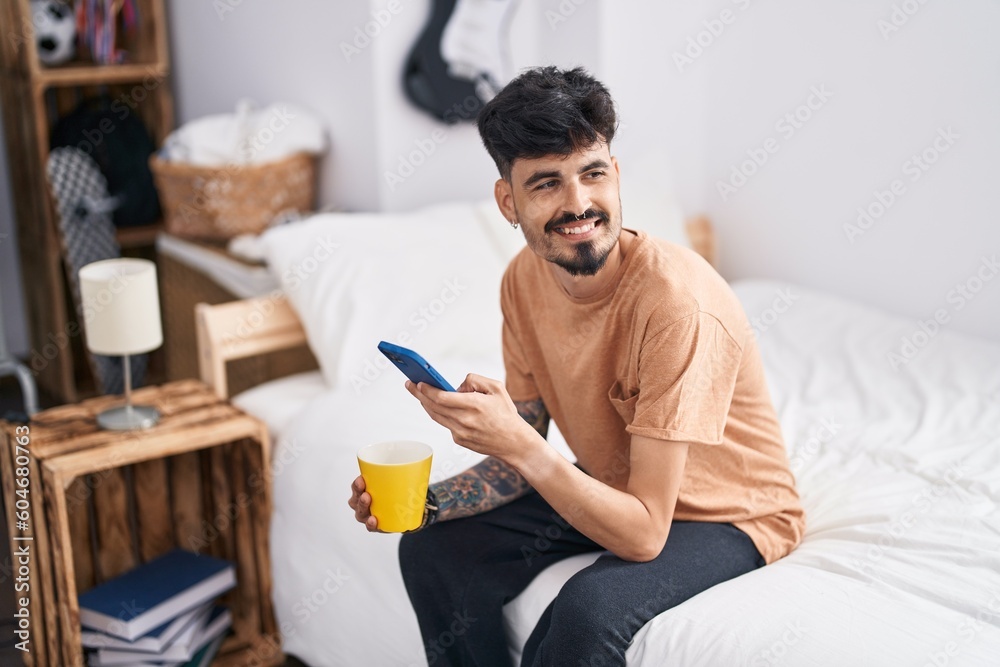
x: 249, y: 136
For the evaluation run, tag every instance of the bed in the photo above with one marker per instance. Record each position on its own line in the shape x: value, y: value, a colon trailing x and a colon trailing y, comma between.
x: 898, y: 464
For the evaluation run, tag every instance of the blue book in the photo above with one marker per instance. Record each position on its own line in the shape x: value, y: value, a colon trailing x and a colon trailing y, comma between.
x: 211, y: 626
x: 144, y: 598
x: 152, y: 642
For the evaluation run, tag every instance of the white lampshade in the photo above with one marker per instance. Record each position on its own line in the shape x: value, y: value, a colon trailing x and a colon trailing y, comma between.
x: 121, y: 306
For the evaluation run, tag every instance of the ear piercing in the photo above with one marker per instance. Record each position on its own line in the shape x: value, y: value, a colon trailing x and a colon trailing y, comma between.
x: 512, y: 224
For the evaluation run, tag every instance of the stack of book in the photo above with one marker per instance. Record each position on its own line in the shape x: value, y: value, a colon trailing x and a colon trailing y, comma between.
x: 162, y: 613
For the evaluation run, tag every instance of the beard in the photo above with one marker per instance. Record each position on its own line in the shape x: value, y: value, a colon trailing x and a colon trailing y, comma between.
x: 583, y: 258
x: 587, y: 259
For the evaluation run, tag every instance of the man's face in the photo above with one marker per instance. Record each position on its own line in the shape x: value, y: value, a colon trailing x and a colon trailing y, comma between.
x: 568, y: 206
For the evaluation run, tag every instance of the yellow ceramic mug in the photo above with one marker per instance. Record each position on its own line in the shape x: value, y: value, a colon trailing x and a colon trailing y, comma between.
x: 396, y: 475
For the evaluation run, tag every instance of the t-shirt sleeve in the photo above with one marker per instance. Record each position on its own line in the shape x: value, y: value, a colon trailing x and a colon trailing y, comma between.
x: 687, y: 376
x: 520, y: 381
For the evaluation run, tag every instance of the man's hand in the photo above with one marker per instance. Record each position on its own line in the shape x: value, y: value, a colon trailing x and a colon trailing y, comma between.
x: 361, y: 503
x: 480, y: 416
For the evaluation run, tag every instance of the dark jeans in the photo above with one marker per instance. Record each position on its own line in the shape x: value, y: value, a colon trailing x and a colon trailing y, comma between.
x: 460, y: 573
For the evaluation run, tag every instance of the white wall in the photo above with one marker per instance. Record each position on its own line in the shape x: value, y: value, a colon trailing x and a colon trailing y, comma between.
x: 889, y: 99
x: 890, y: 96
x: 682, y: 128
x: 283, y: 51
x: 661, y: 139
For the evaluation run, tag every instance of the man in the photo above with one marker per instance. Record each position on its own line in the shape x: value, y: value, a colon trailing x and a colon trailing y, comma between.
x: 643, y: 356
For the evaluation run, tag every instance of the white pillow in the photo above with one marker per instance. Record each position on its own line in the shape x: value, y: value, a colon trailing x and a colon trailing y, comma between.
x: 428, y: 280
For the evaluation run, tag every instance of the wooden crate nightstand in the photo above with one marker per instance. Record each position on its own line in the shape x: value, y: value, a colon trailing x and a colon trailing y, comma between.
x: 102, y: 502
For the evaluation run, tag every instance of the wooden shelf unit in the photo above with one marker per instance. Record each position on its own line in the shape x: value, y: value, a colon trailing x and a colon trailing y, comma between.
x: 33, y: 98
x: 96, y: 75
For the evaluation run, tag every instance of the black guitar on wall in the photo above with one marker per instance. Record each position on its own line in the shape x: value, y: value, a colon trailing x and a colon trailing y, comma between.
x: 450, y: 91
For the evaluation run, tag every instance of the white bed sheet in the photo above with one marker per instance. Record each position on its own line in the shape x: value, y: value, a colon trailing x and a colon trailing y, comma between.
x: 899, y: 473
x: 277, y: 402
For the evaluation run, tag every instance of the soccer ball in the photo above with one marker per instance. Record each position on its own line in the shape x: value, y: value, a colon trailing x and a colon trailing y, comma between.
x: 55, y: 31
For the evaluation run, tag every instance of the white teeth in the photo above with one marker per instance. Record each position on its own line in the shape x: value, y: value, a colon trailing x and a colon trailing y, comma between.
x: 578, y: 230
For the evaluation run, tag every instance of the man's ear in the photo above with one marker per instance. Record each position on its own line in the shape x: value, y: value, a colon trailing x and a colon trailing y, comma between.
x: 504, y: 195
x: 614, y: 162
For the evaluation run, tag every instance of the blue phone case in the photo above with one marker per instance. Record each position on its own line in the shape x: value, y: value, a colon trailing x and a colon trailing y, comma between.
x: 413, y: 366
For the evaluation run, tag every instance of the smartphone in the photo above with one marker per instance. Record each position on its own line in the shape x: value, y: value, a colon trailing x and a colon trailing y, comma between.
x: 413, y: 366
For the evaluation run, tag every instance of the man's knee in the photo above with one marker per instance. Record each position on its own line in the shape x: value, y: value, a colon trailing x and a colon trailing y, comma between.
x: 585, y: 630
x: 415, y: 550
x: 581, y: 632
x: 581, y: 604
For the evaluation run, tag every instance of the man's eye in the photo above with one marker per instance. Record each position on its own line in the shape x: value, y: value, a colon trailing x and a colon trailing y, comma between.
x: 595, y: 174
x: 547, y: 185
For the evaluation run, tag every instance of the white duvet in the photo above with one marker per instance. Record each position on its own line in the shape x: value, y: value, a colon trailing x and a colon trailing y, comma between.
x: 898, y: 468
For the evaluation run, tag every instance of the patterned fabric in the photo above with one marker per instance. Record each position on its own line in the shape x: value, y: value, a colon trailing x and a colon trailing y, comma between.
x: 88, y: 235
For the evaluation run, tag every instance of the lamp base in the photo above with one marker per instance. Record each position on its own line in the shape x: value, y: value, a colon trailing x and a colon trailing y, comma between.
x: 128, y: 418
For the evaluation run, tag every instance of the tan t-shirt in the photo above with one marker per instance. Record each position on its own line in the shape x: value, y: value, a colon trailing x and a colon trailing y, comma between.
x: 664, y: 351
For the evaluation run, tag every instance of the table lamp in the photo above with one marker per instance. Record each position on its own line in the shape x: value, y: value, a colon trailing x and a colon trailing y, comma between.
x: 121, y: 307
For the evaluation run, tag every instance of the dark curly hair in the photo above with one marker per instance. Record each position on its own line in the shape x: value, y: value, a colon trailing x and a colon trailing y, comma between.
x: 546, y: 111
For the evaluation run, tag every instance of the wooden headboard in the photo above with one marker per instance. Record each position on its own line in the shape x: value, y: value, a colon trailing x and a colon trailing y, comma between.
x: 701, y: 234
x: 252, y: 327
x: 241, y: 329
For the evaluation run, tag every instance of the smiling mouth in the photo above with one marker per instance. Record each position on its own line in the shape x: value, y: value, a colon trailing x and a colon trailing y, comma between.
x: 579, y: 228
x: 572, y: 227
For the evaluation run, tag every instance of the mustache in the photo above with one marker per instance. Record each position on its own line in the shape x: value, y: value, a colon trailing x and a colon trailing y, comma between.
x: 567, y: 218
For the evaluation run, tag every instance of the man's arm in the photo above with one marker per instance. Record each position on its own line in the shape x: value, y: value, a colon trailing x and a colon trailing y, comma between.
x: 632, y: 523
x: 491, y: 482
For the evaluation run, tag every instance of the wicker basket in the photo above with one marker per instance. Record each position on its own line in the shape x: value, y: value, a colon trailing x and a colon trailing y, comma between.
x: 222, y: 202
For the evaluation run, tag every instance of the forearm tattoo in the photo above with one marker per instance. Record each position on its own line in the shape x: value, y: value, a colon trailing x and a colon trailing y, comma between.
x: 534, y: 413
x: 491, y: 482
